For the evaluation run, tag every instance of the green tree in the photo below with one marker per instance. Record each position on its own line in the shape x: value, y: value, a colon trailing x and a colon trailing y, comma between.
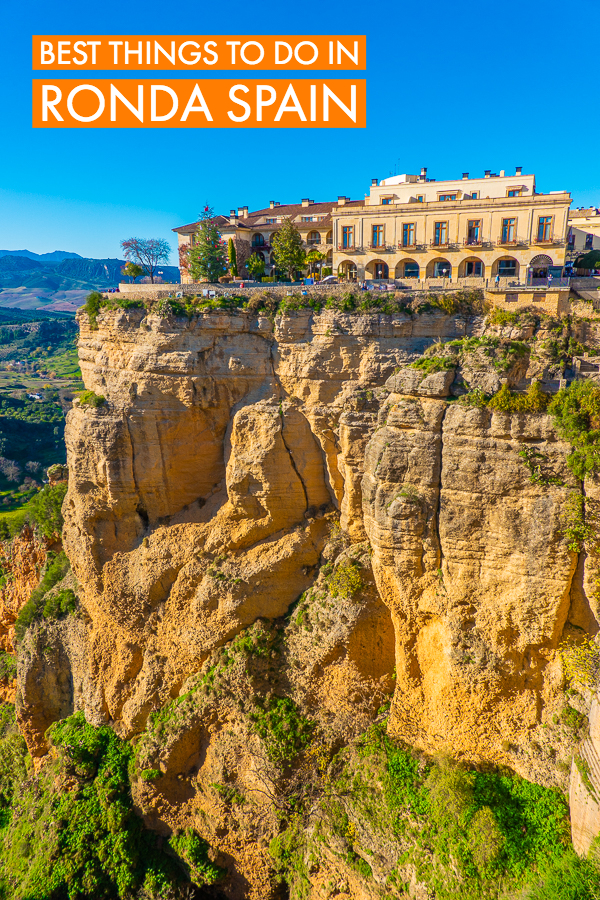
x: 232, y: 258
x: 132, y: 270
x: 146, y: 253
x: 256, y: 266
x: 590, y: 260
x: 208, y: 256
x: 313, y: 258
x: 287, y: 248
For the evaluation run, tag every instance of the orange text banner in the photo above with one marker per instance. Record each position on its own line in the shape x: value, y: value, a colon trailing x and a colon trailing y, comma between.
x: 188, y: 52
x: 209, y: 103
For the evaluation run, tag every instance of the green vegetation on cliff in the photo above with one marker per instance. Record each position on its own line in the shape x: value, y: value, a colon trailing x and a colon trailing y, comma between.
x: 71, y: 831
x: 464, y: 834
x: 576, y: 412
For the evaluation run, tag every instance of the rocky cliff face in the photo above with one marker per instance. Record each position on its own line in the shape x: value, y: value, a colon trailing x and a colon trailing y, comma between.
x: 203, y: 501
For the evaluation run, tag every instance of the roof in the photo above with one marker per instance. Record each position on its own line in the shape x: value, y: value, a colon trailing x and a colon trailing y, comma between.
x: 584, y: 213
x: 288, y: 210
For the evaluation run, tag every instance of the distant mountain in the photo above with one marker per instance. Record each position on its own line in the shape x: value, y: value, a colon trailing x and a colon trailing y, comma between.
x: 55, y: 256
x: 74, y: 273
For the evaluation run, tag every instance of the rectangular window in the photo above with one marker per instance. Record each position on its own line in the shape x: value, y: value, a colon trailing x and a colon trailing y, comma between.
x: 440, y: 234
x: 377, y: 232
x: 511, y: 298
x: 347, y: 237
x: 420, y: 198
x: 447, y: 196
x: 474, y: 231
x: 408, y: 234
x: 507, y: 268
x: 271, y: 221
x: 514, y: 192
x: 473, y: 268
x: 475, y: 195
x: 589, y: 241
x: 306, y: 218
x: 386, y: 201
x: 544, y: 228
x: 508, y: 230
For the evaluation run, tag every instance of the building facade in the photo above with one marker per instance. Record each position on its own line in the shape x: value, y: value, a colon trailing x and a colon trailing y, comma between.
x: 584, y: 232
x: 413, y: 227
x: 252, y: 231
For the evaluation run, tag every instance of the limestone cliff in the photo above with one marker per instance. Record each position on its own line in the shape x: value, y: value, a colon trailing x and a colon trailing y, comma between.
x: 203, y: 501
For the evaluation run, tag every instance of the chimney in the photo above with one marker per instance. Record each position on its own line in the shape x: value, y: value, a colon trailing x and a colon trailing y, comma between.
x: 242, y: 212
x: 277, y: 203
x: 423, y: 175
x: 519, y: 170
x: 373, y: 182
x: 341, y: 201
x: 502, y: 173
x: 487, y: 173
x: 306, y: 202
x: 465, y: 176
x: 271, y: 204
x: 233, y: 219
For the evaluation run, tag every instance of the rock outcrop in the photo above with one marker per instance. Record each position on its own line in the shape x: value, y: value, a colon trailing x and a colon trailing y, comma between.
x: 203, y: 501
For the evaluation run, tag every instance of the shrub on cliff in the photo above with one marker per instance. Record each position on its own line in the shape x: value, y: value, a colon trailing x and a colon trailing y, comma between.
x: 57, y: 567
x: 576, y: 412
x: 92, y: 308
x: 46, y: 509
x: 74, y: 832
x: 91, y: 399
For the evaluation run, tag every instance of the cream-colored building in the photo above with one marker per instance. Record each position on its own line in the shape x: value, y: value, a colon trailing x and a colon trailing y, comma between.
x: 252, y: 231
x: 469, y: 229
x: 584, y: 231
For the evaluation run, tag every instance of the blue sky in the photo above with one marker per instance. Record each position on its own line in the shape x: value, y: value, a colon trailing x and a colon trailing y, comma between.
x: 451, y: 86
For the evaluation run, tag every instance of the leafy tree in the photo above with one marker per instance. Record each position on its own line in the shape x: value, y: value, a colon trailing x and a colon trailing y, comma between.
x: 208, y: 257
x: 590, y: 260
x: 576, y: 412
x: 287, y: 248
x: 132, y: 270
x: 232, y: 259
x: 313, y: 257
x: 256, y: 266
x: 147, y: 253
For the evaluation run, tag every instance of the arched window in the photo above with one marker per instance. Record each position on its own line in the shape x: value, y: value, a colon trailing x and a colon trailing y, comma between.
x: 313, y: 237
x: 258, y: 240
x: 329, y: 237
x: 508, y: 267
x: 411, y: 270
x: 442, y: 268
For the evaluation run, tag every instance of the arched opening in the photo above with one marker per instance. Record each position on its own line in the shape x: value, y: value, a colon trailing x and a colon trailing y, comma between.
x: 313, y: 237
x: 260, y: 254
x: 506, y: 267
x: 347, y: 270
x: 472, y: 268
x: 329, y: 237
x: 439, y: 268
x: 408, y: 268
x: 329, y: 261
x: 378, y: 269
x: 539, y: 266
x: 258, y: 240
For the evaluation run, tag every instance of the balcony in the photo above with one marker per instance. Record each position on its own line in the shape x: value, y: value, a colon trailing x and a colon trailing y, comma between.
x: 510, y: 242
x: 381, y: 248
x: 549, y: 241
x: 443, y: 245
x: 474, y: 242
x: 411, y: 248
x: 351, y: 249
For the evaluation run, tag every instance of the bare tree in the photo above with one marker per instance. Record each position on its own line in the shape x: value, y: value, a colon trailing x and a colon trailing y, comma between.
x: 147, y: 253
